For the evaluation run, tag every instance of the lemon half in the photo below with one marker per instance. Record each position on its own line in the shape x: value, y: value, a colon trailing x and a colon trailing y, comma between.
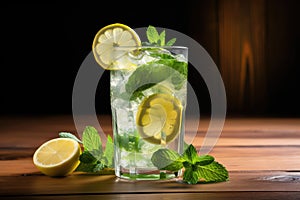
x: 57, y: 157
x: 158, y: 118
x: 110, y: 36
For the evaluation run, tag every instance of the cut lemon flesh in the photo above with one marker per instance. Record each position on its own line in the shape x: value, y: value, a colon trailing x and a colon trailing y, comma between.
x: 57, y: 157
x: 159, y: 118
x: 109, y: 37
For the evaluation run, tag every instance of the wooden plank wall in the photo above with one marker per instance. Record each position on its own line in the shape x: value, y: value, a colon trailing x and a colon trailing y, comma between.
x: 242, y: 48
x: 254, y: 43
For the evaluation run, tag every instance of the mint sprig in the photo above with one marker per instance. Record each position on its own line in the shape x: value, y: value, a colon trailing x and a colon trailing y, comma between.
x: 69, y: 135
x: 197, y: 169
x: 156, y: 39
x: 94, y: 158
x: 154, y: 72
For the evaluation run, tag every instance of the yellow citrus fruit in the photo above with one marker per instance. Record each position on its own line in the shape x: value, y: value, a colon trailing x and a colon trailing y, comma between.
x: 57, y: 157
x: 109, y: 37
x: 158, y: 118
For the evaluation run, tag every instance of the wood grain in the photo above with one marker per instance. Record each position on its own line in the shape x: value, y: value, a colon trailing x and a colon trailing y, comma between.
x: 242, y: 30
x: 261, y: 154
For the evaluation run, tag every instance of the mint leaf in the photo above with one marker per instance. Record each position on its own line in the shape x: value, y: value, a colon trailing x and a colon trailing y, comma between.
x: 93, y: 159
x: 95, y: 168
x: 174, y: 166
x: 162, y: 37
x: 191, y: 176
x: 98, y: 167
x: 190, y: 155
x: 152, y: 34
x: 109, y: 152
x: 214, y: 172
x: 130, y: 142
x: 204, y: 160
x: 85, y: 167
x: 166, y: 159
x: 87, y: 157
x: 69, y: 135
x: 91, y: 139
x: 148, y: 75
x: 197, y: 168
x: 157, y: 39
x: 157, y: 54
x: 138, y: 93
x: 171, y: 42
x: 179, y: 66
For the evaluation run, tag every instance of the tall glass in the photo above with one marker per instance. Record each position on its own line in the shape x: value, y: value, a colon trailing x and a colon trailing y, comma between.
x: 148, y: 101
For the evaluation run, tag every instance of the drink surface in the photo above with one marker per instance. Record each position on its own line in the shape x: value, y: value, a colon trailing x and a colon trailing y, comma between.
x: 148, y: 100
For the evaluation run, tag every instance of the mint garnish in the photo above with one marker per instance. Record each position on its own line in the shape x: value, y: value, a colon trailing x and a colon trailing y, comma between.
x: 130, y: 142
x: 91, y: 140
x: 149, y: 74
x: 166, y: 159
x: 197, y: 169
x: 108, y: 156
x: 94, y: 158
x: 156, y: 39
x: 69, y: 135
x: 164, y: 66
x: 203, y: 169
x: 171, y: 42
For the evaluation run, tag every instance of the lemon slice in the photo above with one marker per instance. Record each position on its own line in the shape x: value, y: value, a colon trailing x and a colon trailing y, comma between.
x: 159, y: 118
x: 57, y: 157
x: 110, y: 36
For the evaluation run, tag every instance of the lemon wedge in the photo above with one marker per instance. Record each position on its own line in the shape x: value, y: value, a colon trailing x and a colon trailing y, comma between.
x: 109, y: 37
x: 57, y: 157
x: 158, y: 118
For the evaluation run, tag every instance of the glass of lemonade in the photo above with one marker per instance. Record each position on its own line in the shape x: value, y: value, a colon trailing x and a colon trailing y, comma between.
x: 148, y: 101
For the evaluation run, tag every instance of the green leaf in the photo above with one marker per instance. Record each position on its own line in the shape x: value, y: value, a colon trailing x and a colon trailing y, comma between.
x: 174, y: 166
x: 148, y: 75
x: 109, y: 152
x: 130, y: 142
x: 190, y: 176
x: 162, y: 37
x: 214, y: 172
x: 204, y: 160
x: 155, y: 38
x: 90, y: 167
x: 156, y: 54
x: 166, y: 159
x: 91, y: 139
x: 162, y: 175
x: 171, y: 42
x: 138, y: 93
x: 85, y: 167
x: 152, y: 34
x: 145, y: 76
x: 190, y: 155
x: 69, y: 135
x: 87, y: 157
x: 98, y: 167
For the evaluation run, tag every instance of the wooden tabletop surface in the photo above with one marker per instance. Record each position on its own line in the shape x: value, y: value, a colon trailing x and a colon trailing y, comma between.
x: 261, y: 154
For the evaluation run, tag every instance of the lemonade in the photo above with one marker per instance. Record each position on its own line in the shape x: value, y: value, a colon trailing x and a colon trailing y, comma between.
x: 148, y: 105
x: 148, y: 86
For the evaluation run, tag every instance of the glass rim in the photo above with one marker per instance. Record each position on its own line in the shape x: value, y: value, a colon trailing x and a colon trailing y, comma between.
x: 143, y: 47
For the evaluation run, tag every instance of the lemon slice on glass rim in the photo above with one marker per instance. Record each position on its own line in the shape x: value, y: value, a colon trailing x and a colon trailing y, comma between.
x: 158, y: 118
x: 57, y: 157
x: 109, y: 37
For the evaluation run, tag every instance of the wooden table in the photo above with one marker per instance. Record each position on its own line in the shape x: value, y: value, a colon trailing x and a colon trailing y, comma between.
x: 261, y: 154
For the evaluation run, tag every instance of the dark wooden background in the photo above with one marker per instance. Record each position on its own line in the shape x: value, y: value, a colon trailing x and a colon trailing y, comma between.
x: 255, y: 44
